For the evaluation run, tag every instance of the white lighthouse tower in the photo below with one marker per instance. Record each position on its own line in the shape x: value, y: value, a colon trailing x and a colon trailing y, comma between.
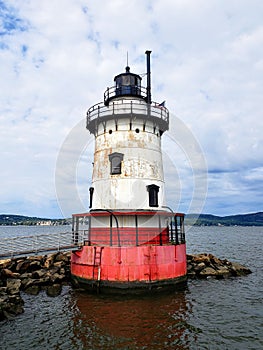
x: 128, y: 169
x: 127, y: 220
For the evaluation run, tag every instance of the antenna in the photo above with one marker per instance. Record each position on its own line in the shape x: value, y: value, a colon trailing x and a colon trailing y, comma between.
x: 127, y: 67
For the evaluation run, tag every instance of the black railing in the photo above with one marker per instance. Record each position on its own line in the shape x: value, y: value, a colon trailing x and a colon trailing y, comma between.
x: 176, y: 230
x: 124, y: 90
x: 113, y: 235
x: 129, y: 109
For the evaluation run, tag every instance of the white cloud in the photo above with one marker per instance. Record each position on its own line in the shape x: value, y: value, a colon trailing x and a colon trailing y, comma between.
x: 58, y: 57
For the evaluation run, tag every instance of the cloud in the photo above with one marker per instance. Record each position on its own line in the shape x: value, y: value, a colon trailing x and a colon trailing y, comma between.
x: 57, y: 58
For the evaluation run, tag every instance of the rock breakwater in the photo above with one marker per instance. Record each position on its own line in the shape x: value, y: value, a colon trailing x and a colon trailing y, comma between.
x: 31, y: 275
x: 207, y: 265
x: 50, y: 272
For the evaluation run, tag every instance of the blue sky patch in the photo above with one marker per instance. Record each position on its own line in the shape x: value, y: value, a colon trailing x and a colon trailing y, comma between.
x: 3, y: 46
x: 10, y: 21
x: 24, y: 49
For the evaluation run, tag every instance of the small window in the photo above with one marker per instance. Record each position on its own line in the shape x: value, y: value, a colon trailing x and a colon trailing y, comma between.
x: 153, y: 195
x: 115, y: 160
x: 91, y: 191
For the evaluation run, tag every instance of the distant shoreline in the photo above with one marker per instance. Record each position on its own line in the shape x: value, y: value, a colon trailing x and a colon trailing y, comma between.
x: 253, y: 219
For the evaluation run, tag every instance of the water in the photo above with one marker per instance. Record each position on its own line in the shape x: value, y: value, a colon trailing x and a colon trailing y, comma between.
x: 16, y: 231
x: 207, y: 314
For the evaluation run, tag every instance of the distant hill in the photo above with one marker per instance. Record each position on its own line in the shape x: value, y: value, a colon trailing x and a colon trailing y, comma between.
x: 10, y: 219
x: 254, y: 219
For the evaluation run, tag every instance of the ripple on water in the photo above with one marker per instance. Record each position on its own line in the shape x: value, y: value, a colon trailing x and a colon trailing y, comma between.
x: 207, y: 314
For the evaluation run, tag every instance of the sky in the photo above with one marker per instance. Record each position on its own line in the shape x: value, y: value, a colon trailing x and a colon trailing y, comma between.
x: 58, y: 57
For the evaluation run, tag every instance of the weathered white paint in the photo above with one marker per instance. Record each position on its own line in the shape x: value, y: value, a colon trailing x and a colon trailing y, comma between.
x: 138, y: 139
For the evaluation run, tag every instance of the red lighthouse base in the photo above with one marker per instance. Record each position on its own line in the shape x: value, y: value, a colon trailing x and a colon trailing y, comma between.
x: 128, y: 258
x: 133, y: 269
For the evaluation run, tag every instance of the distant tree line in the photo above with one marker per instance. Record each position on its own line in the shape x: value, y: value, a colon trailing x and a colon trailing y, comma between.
x: 13, y: 220
x: 254, y: 219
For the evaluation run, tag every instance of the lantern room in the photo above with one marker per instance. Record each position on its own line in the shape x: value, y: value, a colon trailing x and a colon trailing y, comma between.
x: 126, y: 85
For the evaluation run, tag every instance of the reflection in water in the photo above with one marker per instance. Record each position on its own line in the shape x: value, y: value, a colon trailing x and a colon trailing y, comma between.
x: 145, y: 322
x: 229, y: 312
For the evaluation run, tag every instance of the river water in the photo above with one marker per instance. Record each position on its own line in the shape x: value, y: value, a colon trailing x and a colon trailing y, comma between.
x: 206, y: 314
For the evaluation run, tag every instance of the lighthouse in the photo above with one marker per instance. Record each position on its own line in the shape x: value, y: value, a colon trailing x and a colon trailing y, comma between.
x: 129, y: 240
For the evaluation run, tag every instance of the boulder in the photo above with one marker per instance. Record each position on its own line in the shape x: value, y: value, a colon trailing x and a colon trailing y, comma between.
x: 39, y: 258
x: 4, y: 263
x: 11, y: 265
x: 33, y: 289
x: 215, y: 261
x: 13, y: 285
x: 54, y: 290
x: 57, y: 278
x: 34, y: 265
x: 202, y: 258
x: 62, y: 271
x: 39, y: 273
x: 208, y: 271
x: 53, y: 270
x: 59, y: 264
x: 3, y: 291
x: 26, y: 275
x: 6, y: 273
x: 49, y: 260
x: 223, y: 271
x: 10, y: 306
x: 239, y: 270
x: 61, y: 257
x: 26, y: 283
x: 22, y: 266
x: 199, y: 266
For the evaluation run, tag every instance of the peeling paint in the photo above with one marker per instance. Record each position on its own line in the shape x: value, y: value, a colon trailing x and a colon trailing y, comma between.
x: 141, y: 165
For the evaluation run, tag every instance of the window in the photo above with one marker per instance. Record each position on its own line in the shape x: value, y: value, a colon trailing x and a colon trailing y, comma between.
x: 153, y: 195
x: 115, y: 160
x: 91, y: 191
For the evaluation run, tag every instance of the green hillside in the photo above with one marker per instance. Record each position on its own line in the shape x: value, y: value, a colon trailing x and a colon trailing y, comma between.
x: 254, y: 219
